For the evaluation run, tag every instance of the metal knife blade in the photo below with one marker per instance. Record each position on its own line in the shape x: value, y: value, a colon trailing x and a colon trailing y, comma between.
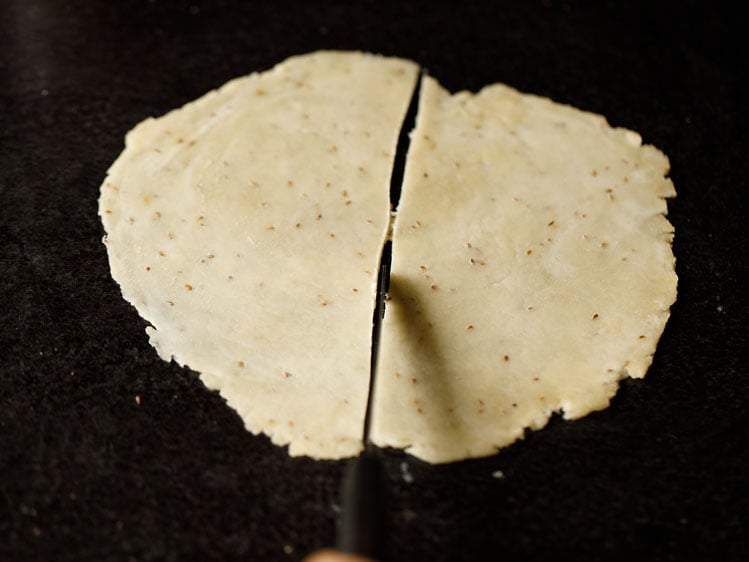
x: 383, y: 284
x: 363, y: 491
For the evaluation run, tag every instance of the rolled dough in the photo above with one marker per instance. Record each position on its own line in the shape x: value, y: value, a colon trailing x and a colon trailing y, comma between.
x: 532, y: 270
x: 246, y: 229
x: 532, y: 267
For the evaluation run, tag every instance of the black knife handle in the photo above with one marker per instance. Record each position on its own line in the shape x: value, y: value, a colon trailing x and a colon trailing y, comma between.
x: 362, y: 528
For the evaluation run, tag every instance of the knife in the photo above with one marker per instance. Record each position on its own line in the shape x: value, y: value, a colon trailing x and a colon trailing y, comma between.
x: 362, y: 523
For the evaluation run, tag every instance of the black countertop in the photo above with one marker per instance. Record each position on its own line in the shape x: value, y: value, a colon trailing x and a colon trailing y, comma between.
x: 88, y: 474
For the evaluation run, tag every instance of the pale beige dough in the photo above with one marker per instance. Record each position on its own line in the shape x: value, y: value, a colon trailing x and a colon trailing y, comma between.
x: 532, y: 265
x: 246, y: 228
x: 532, y: 271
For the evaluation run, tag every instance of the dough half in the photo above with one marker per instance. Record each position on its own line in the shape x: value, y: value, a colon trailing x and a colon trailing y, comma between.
x: 532, y: 270
x: 246, y: 228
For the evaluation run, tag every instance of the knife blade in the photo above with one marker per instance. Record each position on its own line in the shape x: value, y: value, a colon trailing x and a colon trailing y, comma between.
x: 362, y: 523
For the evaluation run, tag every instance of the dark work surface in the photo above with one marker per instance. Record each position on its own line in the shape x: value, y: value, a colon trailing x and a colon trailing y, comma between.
x: 88, y: 474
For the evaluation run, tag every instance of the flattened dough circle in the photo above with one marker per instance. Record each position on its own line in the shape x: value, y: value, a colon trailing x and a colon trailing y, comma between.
x: 532, y: 266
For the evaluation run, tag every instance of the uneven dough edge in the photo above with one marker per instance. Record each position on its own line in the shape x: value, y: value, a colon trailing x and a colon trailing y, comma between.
x: 332, y: 429
x: 441, y: 409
